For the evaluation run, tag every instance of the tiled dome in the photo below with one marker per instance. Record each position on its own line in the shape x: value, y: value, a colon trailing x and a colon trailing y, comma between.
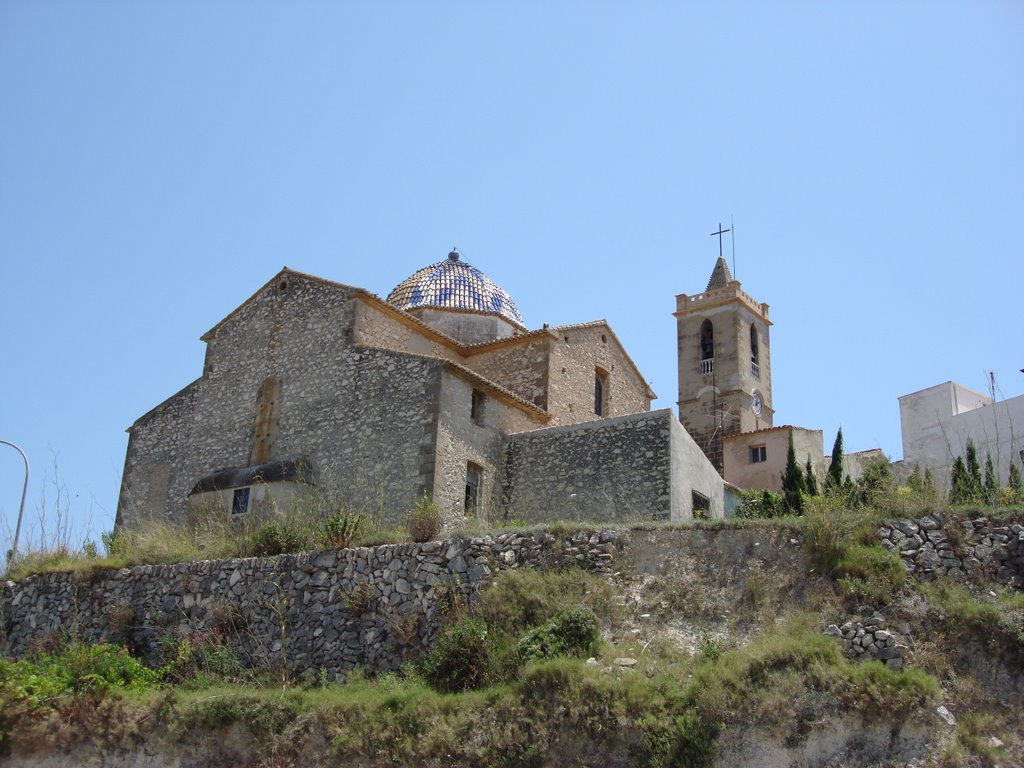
x: 455, y: 284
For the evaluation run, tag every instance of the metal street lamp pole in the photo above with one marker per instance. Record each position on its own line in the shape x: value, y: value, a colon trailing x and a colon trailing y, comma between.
x: 21, y: 512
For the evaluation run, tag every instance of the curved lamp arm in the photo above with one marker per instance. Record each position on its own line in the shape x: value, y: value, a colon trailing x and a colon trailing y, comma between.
x: 21, y: 511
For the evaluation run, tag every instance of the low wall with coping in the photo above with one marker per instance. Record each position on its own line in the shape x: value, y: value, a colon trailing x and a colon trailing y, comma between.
x: 333, y: 610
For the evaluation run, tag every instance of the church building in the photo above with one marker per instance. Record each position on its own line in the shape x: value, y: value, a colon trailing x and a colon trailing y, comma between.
x: 317, y: 389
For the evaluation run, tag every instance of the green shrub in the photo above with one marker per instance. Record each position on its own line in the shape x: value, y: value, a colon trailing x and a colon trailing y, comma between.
x: 340, y: 530
x: 824, y: 539
x: 523, y: 598
x: 760, y: 504
x: 279, y: 537
x: 75, y: 668
x: 198, y: 660
x: 424, y: 520
x: 466, y: 656
x: 261, y: 716
x: 681, y: 740
x: 571, y: 632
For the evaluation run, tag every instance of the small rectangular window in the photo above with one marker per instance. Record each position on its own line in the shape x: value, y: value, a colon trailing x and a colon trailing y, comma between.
x: 701, y: 504
x: 240, y: 501
x: 476, y: 408
x: 758, y: 453
x: 474, y: 479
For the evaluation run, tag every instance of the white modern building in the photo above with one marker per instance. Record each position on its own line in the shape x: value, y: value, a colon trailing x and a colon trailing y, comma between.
x: 937, y: 422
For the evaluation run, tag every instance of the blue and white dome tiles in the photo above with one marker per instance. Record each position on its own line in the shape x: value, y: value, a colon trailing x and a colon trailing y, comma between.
x: 454, y: 284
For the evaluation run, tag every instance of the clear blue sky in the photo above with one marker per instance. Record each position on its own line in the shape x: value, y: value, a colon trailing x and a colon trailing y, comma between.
x: 159, y: 161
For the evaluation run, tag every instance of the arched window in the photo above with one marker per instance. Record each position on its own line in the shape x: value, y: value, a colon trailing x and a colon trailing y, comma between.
x: 707, y: 347
x: 600, y: 392
x: 755, y: 367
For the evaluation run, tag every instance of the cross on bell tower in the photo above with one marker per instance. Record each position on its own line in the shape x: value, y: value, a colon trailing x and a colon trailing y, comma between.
x: 720, y: 232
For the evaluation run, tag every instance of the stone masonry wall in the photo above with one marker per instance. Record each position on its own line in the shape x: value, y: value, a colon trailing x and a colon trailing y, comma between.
x: 617, y: 469
x: 574, y: 358
x: 375, y: 328
x: 461, y: 440
x: 521, y: 368
x: 366, y: 418
x: 977, y: 550
x: 334, y: 610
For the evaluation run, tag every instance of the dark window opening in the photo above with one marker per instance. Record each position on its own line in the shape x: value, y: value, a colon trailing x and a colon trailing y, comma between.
x: 707, y: 348
x: 476, y: 408
x: 707, y: 340
x: 474, y: 480
x: 701, y: 505
x: 240, y: 501
x: 755, y: 367
x: 758, y: 453
x: 600, y: 392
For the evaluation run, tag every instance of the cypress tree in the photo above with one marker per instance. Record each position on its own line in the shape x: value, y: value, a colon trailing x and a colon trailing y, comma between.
x: 959, y: 483
x: 810, y: 480
x: 991, y: 482
x: 914, y: 481
x: 974, y: 473
x: 834, y: 478
x: 928, y: 485
x: 1016, y: 483
x: 792, y: 482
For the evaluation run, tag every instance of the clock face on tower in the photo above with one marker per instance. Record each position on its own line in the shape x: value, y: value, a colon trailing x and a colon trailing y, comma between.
x: 756, y: 404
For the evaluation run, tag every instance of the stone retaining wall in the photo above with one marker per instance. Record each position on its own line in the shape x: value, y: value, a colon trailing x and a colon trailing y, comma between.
x: 871, y: 638
x: 977, y: 550
x: 333, y: 610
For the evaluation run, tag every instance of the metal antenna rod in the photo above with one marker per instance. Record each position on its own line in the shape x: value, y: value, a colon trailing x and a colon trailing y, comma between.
x: 732, y: 239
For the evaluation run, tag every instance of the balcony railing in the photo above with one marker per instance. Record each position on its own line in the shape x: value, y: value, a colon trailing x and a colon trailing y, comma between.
x: 756, y: 370
x: 707, y: 367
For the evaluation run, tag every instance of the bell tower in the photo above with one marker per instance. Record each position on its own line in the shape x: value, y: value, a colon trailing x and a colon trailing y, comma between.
x: 725, y: 374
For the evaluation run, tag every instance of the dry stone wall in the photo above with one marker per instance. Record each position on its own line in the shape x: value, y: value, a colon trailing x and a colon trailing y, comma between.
x: 333, y: 610
x: 872, y: 638
x: 975, y: 550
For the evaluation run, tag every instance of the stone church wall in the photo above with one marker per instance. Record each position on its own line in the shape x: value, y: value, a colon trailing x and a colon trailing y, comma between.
x: 155, y: 444
x: 718, y: 402
x: 376, y: 328
x: 521, y: 368
x: 460, y: 441
x: 362, y: 416
x: 628, y: 468
x: 575, y: 358
x: 466, y: 327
